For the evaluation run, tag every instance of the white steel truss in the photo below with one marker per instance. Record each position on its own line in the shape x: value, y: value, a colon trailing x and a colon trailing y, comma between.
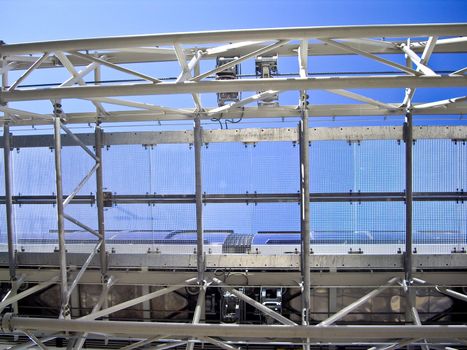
x: 122, y: 55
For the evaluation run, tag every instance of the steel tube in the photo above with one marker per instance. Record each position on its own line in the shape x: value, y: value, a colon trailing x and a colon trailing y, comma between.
x: 279, y: 84
x: 142, y: 343
x: 9, y: 202
x: 80, y: 185
x: 11, y: 323
x: 27, y: 292
x: 408, y: 138
x: 8, y: 191
x: 80, y: 224
x: 236, y: 61
x: 348, y: 309
x: 100, y: 199
x: 78, y: 141
x: 219, y: 344
x: 132, y: 302
x: 368, y: 31
x: 60, y: 214
x: 343, y: 110
x: 81, y: 338
x: 452, y: 293
x: 29, y: 70
x: 395, y: 345
x: 198, y: 311
x: 198, y: 143
x: 305, y: 215
x: 83, y: 269
x: 114, y: 66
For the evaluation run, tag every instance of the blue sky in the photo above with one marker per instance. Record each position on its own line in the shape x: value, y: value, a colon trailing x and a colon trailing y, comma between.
x: 57, y: 19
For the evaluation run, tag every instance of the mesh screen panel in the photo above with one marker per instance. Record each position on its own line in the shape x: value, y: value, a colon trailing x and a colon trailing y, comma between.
x: 439, y: 227
x: 127, y: 169
x: 170, y: 228
x: 250, y: 224
x: 33, y: 171
x: 267, y: 167
x: 366, y: 166
x: 35, y: 222
x: 439, y: 165
x: 76, y: 164
x: 172, y: 169
x: 373, y: 227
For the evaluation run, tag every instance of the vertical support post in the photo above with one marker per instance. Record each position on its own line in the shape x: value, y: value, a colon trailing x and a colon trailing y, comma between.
x: 9, y: 203
x: 198, y: 142
x: 100, y: 201
x: 8, y: 195
x: 305, y: 209
x: 60, y: 217
x: 198, y: 310
x: 408, y: 137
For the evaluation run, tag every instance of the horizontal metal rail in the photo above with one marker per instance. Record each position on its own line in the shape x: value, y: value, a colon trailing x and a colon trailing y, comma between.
x: 217, y: 86
x: 365, y: 31
x: 12, y: 323
x: 246, y: 135
x: 247, y: 198
x: 142, y: 55
x: 287, y: 111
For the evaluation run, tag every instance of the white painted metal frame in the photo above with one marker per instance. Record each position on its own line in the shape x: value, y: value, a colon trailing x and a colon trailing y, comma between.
x: 113, y: 52
x: 337, y: 40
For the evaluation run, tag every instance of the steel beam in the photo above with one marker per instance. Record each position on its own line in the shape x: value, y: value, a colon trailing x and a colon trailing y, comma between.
x: 142, y: 343
x: 348, y: 309
x: 219, y: 343
x: 27, y: 292
x: 60, y: 216
x: 198, y: 142
x: 416, y: 321
x: 452, y: 293
x: 330, y: 197
x: 408, y: 138
x: 395, y: 345
x: 252, y: 135
x: 100, y: 199
x: 366, y: 112
x: 9, y: 203
x: 239, y: 60
x: 198, y: 311
x: 8, y: 187
x: 33, y: 338
x: 81, y: 338
x: 83, y: 270
x: 365, y: 31
x: 12, y: 323
x: 135, y: 301
x: 354, y: 50
x: 29, y: 71
x: 279, y: 84
x: 114, y: 66
x: 186, y: 73
x: 305, y: 216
